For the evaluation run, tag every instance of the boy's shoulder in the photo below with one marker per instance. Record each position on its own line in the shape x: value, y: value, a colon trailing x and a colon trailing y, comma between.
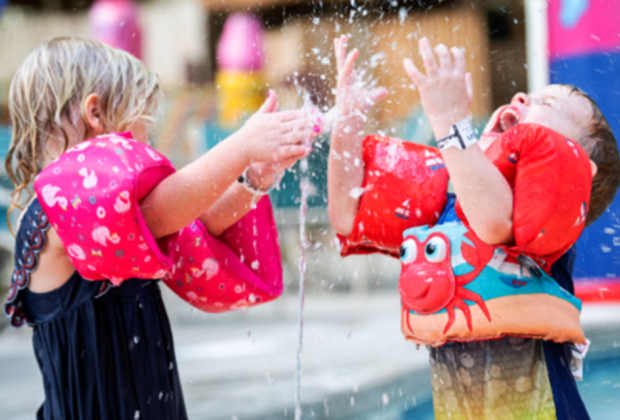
x: 533, y: 138
x: 551, y: 178
x: 539, y: 154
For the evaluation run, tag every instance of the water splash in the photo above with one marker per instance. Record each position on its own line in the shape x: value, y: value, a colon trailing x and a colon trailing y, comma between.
x: 328, y: 119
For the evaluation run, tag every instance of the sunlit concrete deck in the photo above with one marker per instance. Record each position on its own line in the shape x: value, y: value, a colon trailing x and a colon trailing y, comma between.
x: 242, y: 365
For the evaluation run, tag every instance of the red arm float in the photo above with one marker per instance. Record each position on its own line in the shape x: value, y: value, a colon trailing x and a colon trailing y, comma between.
x: 241, y: 268
x: 551, y: 180
x: 405, y: 186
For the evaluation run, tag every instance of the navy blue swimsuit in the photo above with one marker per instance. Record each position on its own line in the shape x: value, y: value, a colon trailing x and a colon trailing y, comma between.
x: 104, y: 352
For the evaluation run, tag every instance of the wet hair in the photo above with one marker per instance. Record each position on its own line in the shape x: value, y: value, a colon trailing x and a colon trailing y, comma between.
x: 52, y: 85
x: 599, y: 142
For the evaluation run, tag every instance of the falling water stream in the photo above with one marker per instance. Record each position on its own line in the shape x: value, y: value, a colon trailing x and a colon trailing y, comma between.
x: 304, y: 185
x: 326, y: 121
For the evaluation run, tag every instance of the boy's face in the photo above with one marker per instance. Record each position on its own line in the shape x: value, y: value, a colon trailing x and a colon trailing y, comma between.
x: 553, y: 106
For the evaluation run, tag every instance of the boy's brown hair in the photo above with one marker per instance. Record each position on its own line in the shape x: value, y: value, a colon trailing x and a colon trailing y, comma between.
x: 599, y: 142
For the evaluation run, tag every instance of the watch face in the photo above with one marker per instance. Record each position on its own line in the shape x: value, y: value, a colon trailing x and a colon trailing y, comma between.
x: 466, y: 133
x: 462, y: 136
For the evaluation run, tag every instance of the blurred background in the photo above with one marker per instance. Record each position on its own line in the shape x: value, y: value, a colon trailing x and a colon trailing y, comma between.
x: 216, y: 59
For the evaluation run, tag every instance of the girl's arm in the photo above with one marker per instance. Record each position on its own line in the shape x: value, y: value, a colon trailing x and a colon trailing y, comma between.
x: 266, y: 137
x: 483, y: 192
x: 345, y: 165
x: 237, y: 201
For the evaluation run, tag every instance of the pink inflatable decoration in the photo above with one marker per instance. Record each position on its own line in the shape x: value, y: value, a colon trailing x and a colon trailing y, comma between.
x: 90, y: 195
x: 115, y: 22
x: 240, y: 269
x: 241, y: 44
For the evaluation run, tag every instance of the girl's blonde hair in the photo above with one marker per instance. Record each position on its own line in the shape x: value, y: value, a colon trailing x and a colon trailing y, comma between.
x: 54, y: 82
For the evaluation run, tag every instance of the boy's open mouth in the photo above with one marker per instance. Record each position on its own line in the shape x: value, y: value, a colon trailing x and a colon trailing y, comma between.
x: 506, y: 118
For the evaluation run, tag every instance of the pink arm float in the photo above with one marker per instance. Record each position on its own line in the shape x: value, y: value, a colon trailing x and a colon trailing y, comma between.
x: 98, y: 220
x: 241, y: 268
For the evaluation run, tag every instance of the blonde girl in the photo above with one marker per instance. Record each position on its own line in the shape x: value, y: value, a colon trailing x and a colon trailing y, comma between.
x: 72, y: 89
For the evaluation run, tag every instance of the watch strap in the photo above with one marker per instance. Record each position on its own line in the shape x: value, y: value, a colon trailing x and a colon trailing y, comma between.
x: 461, y: 136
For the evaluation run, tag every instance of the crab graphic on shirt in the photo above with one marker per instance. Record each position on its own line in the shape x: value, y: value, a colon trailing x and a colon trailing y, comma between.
x: 436, y: 267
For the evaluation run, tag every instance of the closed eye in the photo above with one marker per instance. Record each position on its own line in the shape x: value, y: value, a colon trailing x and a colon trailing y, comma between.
x: 548, y: 101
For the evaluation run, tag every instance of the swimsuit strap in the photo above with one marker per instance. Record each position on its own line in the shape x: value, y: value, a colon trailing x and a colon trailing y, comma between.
x: 29, y: 242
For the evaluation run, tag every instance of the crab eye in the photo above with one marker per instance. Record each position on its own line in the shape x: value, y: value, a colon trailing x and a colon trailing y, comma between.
x: 408, y: 251
x: 435, y: 250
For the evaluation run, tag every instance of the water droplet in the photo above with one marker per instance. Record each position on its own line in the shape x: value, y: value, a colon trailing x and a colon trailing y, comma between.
x: 402, y: 15
x: 136, y: 339
x: 385, y: 399
x: 356, y: 193
x: 137, y: 415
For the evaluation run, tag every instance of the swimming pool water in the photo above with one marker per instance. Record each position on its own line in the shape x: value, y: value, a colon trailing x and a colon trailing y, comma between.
x: 600, y: 388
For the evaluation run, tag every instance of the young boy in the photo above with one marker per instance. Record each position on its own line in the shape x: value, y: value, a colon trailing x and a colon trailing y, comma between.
x: 510, y: 377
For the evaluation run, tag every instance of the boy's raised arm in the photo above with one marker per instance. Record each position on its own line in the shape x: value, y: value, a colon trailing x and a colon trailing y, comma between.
x: 346, y: 166
x: 484, y: 194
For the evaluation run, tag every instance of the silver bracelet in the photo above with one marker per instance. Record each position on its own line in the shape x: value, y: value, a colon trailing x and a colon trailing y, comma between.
x: 461, y: 136
x: 247, y: 184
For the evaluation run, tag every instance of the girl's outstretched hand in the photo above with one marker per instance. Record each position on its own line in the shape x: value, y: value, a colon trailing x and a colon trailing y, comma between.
x: 273, y: 141
x: 446, y: 90
x: 352, y: 98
